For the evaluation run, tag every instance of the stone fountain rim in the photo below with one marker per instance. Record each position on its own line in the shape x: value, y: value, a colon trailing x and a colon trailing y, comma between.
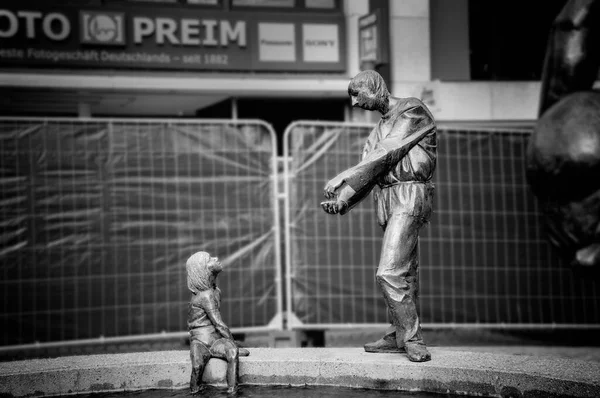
x: 450, y: 371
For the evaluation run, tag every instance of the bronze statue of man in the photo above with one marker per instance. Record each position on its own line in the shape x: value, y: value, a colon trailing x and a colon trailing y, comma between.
x: 398, y: 162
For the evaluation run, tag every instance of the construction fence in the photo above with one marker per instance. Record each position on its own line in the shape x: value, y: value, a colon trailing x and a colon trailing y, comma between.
x: 484, y: 258
x: 99, y: 217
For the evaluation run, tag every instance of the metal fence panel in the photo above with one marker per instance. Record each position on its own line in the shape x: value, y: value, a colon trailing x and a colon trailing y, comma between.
x: 484, y: 256
x: 99, y: 217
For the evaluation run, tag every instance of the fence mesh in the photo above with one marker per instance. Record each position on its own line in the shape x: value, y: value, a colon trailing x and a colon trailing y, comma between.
x: 99, y: 217
x: 484, y: 257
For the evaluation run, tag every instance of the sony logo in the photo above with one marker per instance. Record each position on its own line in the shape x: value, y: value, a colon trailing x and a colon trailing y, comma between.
x: 320, y: 43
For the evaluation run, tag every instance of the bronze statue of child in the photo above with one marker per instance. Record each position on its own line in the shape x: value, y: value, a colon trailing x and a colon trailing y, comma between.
x: 209, y: 336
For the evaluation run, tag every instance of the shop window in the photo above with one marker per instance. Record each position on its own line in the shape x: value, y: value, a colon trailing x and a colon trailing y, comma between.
x: 203, y: 2
x: 209, y: 3
x: 322, y: 4
x: 243, y: 5
x: 73, y: 2
x: 496, y: 40
x: 295, y: 5
x: 143, y: 1
x: 264, y: 3
x: 508, y: 38
x: 154, y: 1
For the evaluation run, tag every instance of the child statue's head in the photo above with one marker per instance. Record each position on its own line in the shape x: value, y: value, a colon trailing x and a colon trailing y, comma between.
x: 202, y: 271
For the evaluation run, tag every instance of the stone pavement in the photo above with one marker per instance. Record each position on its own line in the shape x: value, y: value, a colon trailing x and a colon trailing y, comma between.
x: 452, y: 370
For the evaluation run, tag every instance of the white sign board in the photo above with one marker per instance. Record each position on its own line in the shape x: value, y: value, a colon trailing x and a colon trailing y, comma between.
x: 320, y: 42
x: 276, y: 42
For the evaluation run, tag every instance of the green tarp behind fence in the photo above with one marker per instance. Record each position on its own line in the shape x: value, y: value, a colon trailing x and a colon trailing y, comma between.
x: 98, y: 219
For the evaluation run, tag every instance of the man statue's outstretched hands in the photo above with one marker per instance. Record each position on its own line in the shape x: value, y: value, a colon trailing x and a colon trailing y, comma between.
x: 333, y: 185
x: 338, y: 194
x: 334, y: 206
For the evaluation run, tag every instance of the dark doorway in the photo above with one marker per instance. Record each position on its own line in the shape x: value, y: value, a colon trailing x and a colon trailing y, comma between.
x: 280, y: 112
x: 220, y: 110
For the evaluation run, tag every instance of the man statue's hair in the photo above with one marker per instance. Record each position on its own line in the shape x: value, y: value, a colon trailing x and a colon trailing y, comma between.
x: 371, y: 86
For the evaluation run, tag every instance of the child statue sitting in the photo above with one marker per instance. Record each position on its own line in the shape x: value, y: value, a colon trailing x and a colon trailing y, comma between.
x: 209, y: 336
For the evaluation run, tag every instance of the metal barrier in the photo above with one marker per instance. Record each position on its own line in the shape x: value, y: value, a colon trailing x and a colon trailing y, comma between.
x: 99, y: 217
x: 485, y: 261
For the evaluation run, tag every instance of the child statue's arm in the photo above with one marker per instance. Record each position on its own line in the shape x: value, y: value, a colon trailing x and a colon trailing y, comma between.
x: 212, y: 310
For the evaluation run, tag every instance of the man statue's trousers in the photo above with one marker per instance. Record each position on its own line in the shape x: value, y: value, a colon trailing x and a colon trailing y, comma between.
x: 398, y: 274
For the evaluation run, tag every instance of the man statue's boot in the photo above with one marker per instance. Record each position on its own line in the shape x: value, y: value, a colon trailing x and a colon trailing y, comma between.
x: 416, y: 350
x: 387, y: 343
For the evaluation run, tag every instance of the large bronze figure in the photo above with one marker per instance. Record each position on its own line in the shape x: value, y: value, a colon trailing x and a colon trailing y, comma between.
x: 209, y: 336
x: 563, y: 159
x: 398, y: 162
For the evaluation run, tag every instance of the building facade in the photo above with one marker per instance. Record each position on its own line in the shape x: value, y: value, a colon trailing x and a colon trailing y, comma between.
x: 279, y: 60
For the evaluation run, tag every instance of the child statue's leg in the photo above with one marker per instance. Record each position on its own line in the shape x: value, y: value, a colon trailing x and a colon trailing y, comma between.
x: 232, y: 356
x: 226, y: 349
x: 200, y: 355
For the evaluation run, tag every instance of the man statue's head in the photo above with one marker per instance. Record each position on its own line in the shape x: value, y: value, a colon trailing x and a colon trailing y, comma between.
x: 368, y: 91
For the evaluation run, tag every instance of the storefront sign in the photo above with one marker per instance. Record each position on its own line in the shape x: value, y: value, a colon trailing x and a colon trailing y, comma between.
x: 372, y: 31
x: 321, y: 42
x: 277, y: 42
x: 170, y: 38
